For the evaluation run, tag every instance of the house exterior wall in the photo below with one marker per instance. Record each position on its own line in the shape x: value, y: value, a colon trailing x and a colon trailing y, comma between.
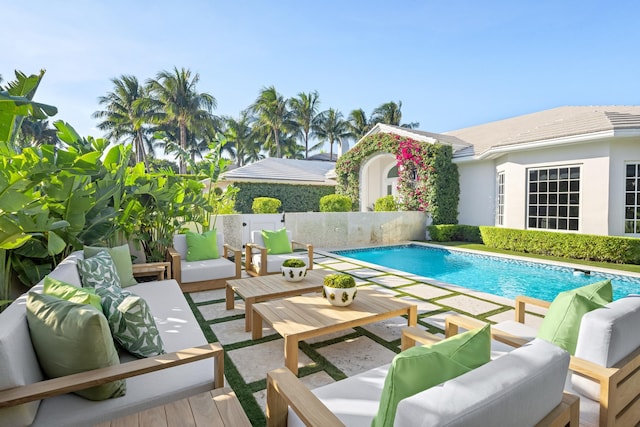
x: 373, y: 178
x: 625, y: 150
x: 477, y: 192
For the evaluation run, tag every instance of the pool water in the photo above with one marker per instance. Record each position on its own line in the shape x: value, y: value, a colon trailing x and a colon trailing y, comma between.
x: 494, y: 275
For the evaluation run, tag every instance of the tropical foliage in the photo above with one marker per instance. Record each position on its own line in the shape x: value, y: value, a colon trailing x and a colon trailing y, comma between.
x: 427, y: 177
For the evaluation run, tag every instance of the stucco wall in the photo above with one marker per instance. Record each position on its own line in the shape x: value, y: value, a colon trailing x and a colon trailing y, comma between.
x: 477, y: 193
x: 621, y: 153
x: 332, y: 229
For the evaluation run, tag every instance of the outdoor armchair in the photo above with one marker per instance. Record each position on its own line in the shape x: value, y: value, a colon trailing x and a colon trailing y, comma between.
x: 194, y: 276
x: 522, y: 388
x: 258, y: 261
x: 606, y: 365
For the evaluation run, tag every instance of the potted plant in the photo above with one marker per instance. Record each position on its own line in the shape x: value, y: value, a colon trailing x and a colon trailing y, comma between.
x: 339, y: 289
x: 293, y: 269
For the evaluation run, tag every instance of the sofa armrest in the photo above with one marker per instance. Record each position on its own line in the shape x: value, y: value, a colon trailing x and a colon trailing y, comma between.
x: 70, y: 383
x: 454, y: 323
x: 413, y: 335
x: 285, y: 390
x: 522, y: 301
x: 309, y: 248
x: 237, y: 257
x: 249, y: 266
x: 173, y: 256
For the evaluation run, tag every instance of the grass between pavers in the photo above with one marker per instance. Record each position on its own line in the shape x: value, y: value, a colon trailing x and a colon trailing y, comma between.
x: 632, y: 268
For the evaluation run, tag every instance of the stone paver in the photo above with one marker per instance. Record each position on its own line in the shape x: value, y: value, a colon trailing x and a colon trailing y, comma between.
x: 328, y: 337
x: 425, y: 291
x: 391, y: 281
x: 437, y: 320
x: 216, y: 294
x: 388, y: 329
x: 255, y: 361
x: 233, y: 331
x: 342, y: 266
x: 219, y: 310
x: 357, y: 355
x: 468, y: 304
x: 423, y: 306
x: 365, y: 272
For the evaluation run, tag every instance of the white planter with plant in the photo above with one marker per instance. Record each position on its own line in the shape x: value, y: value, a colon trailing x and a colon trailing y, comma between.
x: 339, y: 289
x: 293, y: 270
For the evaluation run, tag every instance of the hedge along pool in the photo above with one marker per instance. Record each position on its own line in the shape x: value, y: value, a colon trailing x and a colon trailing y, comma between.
x: 495, y: 275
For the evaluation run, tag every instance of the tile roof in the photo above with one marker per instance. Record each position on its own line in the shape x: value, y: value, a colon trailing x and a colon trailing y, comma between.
x: 276, y: 169
x: 547, y: 125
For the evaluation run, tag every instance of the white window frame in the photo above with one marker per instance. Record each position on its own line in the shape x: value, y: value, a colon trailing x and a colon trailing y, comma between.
x: 500, y: 198
x: 555, y: 205
x: 632, y: 207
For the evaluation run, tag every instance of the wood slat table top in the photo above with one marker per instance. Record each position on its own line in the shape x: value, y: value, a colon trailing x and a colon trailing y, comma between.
x: 306, y: 313
x: 274, y: 284
x: 215, y: 408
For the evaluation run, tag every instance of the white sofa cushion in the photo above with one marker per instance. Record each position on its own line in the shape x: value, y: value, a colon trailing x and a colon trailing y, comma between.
x: 519, y: 388
x: 274, y: 262
x: 607, y: 336
x: 195, y: 271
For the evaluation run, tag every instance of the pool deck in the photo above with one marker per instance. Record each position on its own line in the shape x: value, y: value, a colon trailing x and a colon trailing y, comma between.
x: 330, y: 358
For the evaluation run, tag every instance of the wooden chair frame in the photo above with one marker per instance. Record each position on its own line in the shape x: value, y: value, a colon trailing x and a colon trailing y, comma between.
x: 252, y: 248
x: 285, y: 390
x: 174, y: 258
x: 619, y: 385
x: 70, y: 383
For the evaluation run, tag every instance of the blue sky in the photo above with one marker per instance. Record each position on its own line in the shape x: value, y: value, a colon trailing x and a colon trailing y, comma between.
x: 452, y: 64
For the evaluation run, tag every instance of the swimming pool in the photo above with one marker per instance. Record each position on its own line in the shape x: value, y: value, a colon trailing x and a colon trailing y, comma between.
x: 494, y: 275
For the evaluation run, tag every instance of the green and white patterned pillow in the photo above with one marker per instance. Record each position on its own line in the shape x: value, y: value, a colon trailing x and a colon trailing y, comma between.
x: 130, y: 321
x: 99, y: 270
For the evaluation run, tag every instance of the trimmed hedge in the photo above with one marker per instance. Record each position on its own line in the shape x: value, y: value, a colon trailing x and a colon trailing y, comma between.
x: 294, y: 198
x: 455, y: 233
x: 265, y: 205
x: 615, y: 249
x: 385, y: 204
x: 335, y: 203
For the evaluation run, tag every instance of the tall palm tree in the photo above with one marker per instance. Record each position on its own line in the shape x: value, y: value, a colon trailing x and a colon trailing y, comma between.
x: 182, y: 105
x: 241, y: 138
x: 35, y: 132
x: 127, y: 114
x: 304, y: 109
x: 358, y: 123
x: 390, y: 113
x: 331, y: 128
x: 272, y: 115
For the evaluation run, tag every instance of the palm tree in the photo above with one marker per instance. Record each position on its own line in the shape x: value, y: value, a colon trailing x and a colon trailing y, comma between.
x: 390, y: 113
x: 182, y: 105
x: 331, y: 127
x: 304, y: 109
x: 358, y: 124
x: 127, y: 114
x: 35, y: 132
x: 272, y: 115
x: 241, y: 138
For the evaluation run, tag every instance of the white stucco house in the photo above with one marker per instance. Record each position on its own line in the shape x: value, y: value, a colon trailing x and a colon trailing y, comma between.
x: 573, y: 169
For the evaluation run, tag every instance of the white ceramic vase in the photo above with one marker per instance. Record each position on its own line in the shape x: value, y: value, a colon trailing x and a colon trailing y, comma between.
x: 340, y: 297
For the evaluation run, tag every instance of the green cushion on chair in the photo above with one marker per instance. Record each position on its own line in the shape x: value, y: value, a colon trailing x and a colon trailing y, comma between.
x: 561, y: 324
x: 71, y: 293
x: 277, y: 242
x: 419, y: 368
x: 202, y: 246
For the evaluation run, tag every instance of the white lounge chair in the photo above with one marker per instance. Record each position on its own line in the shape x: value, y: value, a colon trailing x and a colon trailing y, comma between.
x: 259, y: 263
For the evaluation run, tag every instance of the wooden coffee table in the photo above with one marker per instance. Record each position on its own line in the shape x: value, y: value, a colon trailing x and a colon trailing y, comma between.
x: 219, y: 407
x: 307, y: 316
x: 264, y: 288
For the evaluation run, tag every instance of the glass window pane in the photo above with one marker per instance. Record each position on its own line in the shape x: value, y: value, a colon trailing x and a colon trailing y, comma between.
x: 574, y: 173
x: 553, y: 211
x: 563, y: 199
x: 533, y: 176
x: 630, y: 213
x: 564, y: 173
x: 562, y: 224
x: 553, y: 223
x: 553, y: 186
x: 564, y: 186
x: 630, y: 198
x: 574, y: 186
x: 553, y: 174
x: 574, y: 199
x: 543, y: 199
x: 562, y: 211
x: 553, y: 199
x: 533, y: 199
x: 631, y: 184
x: 532, y: 210
x: 542, y: 211
x: 542, y: 175
x: 573, y: 224
x: 629, y: 226
x: 631, y: 170
x: 542, y: 187
x: 573, y: 211
x: 533, y: 187
x: 532, y: 223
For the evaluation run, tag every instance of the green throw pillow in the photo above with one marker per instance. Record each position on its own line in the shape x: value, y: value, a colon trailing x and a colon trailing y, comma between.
x: 69, y: 338
x: 277, y: 242
x: 419, y: 368
x: 561, y: 324
x: 98, y: 270
x: 71, y: 293
x: 130, y: 321
x: 202, y: 246
x: 121, y: 256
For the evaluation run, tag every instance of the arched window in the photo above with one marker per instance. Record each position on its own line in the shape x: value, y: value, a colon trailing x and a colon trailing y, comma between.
x: 393, y: 172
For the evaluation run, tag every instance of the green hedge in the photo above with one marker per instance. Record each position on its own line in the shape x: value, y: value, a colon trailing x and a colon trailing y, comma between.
x: 454, y: 233
x: 335, y: 203
x: 265, y: 205
x: 294, y: 198
x: 385, y: 204
x: 623, y: 250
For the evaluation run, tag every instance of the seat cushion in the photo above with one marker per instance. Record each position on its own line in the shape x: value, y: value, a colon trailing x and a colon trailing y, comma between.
x: 606, y: 337
x: 518, y: 389
x: 70, y: 338
x: 210, y: 269
x: 274, y: 262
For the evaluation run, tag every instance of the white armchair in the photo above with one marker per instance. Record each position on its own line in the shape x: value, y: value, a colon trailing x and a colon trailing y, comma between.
x: 207, y: 274
x: 259, y: 263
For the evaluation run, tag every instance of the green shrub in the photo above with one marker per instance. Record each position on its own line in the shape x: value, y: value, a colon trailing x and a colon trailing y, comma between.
x: 385, y: 204
x: 339, y: 281
x: 294, y: 198
x: 455, y: 233
x: 335, y: 203
x: 589, y: 247
x: 294, y: 263
x: 265, y: 205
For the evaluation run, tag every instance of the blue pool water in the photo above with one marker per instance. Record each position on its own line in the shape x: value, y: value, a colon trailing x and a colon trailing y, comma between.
x: 494, y: 275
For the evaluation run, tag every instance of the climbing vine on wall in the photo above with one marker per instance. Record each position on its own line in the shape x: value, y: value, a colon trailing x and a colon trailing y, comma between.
x: 427, y: 178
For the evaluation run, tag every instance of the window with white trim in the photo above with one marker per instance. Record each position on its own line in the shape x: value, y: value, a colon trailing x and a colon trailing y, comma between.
x: 632, y: 199
x: 500, y: 200
x: 553, y: 196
